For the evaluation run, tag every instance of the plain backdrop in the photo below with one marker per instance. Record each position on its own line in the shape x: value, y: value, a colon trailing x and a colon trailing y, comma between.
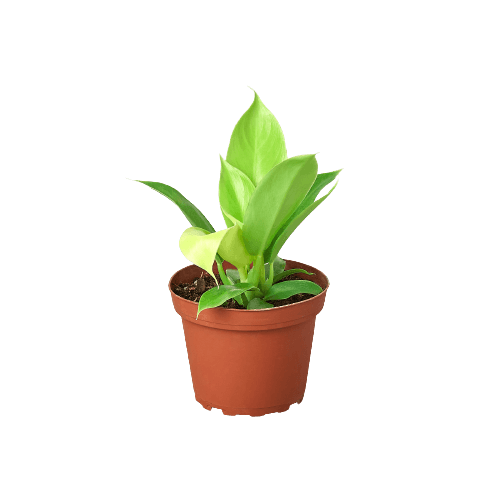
x: 96, y: 399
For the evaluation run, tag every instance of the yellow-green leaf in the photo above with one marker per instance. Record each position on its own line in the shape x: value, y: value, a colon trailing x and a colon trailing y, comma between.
x: 200, y: 247
x: 232, y: 248
x: 257, y: 142
x: 235, y: 190
x: 275, y: 199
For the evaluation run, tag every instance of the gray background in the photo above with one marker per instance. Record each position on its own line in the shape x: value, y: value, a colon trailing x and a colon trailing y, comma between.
x: 95, y: 390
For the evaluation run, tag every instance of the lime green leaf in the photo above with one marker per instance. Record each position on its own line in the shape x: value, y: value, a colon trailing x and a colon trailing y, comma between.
x: 217, y: 296
x: 258, y: 304
x: 193, y: 215
x: 227, y: 219
x: 284, y: 274
x: 233, y: 249
x: 235, y: 190
x: 257, y: 142
x: 290, y: 226
x: 275, y: 199
x: 200, y: 247
x: 286, y: 289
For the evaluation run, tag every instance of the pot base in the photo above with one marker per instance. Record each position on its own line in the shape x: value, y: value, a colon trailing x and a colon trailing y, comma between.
x: 252, y: 412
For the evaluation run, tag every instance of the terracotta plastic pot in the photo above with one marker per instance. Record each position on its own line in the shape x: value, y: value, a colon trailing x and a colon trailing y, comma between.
x: 249, y: 362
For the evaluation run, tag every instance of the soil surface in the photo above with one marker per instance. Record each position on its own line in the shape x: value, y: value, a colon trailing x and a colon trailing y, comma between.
x: 194, y: 290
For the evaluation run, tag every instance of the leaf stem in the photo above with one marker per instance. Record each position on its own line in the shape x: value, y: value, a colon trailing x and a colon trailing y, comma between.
x: 225, y: 279
x: 243, y: 274
x: 269, y: 282
x: 256, y: 276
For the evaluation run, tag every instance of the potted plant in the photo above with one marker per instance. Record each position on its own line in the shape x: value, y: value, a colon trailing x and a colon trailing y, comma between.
x: 248, y: 315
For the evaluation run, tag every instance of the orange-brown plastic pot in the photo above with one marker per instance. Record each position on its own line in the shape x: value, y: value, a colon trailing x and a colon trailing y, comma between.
x: 249, y: 362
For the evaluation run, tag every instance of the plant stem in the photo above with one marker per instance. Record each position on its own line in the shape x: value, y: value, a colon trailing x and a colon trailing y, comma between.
x: 269, y: 282
x: 260, y: 271
x: 243, y: 274
x: 256, y: 276
x: 222, y: 273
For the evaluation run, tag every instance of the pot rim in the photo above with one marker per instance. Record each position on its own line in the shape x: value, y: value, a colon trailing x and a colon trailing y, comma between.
x: 271, y: 309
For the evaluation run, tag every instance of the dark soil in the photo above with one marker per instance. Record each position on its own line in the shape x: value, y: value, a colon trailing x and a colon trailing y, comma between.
x: 194, y: 290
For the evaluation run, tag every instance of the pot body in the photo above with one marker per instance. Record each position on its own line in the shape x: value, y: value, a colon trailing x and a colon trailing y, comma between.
x: 249, y: 362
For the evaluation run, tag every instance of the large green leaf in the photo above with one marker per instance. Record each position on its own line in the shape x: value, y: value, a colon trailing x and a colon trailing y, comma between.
x: 232, y: 248
x: 200, y: 246
x: 275, y: 199
x: 321, y: 181
x: 286, y: 289
x: 218, y: 295
x: 193, y: 215
x: 290, y: 226
x: 257, y: 142
x: 235, y: 190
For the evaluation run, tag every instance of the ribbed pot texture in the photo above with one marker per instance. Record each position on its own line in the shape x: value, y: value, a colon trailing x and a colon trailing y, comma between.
x: 249, y: 362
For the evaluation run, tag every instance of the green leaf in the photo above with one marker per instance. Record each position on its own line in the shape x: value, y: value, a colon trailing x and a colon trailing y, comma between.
x: 233, y: 275
x: 230, y: 220
x: 284, y: 274
x: 200, y: 247
x: 217, y: 296
x: 235, y: 190
x: 321, y: 181
x: 258, y: 304
x: 257, y: 142
x: 290, y: 226
x: 223, y: 276
x: 193, y: 215
x: 275, y: 199
x: 278, y: 267
x: 233, y: 249
x: 286, y: 289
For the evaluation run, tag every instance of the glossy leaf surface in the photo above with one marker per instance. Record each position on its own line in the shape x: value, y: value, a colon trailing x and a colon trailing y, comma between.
x: 233, y: 249
x: 230, y: 220
x: 275, y: 199
x: 257, y: 142
x: 235, y: 191
x: 286, y: 289
x: 200, y: 247
x: 193, y: 215
x: 218, y: 295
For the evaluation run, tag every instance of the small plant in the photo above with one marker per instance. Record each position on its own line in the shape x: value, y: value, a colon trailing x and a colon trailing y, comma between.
x: 263, y: 196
